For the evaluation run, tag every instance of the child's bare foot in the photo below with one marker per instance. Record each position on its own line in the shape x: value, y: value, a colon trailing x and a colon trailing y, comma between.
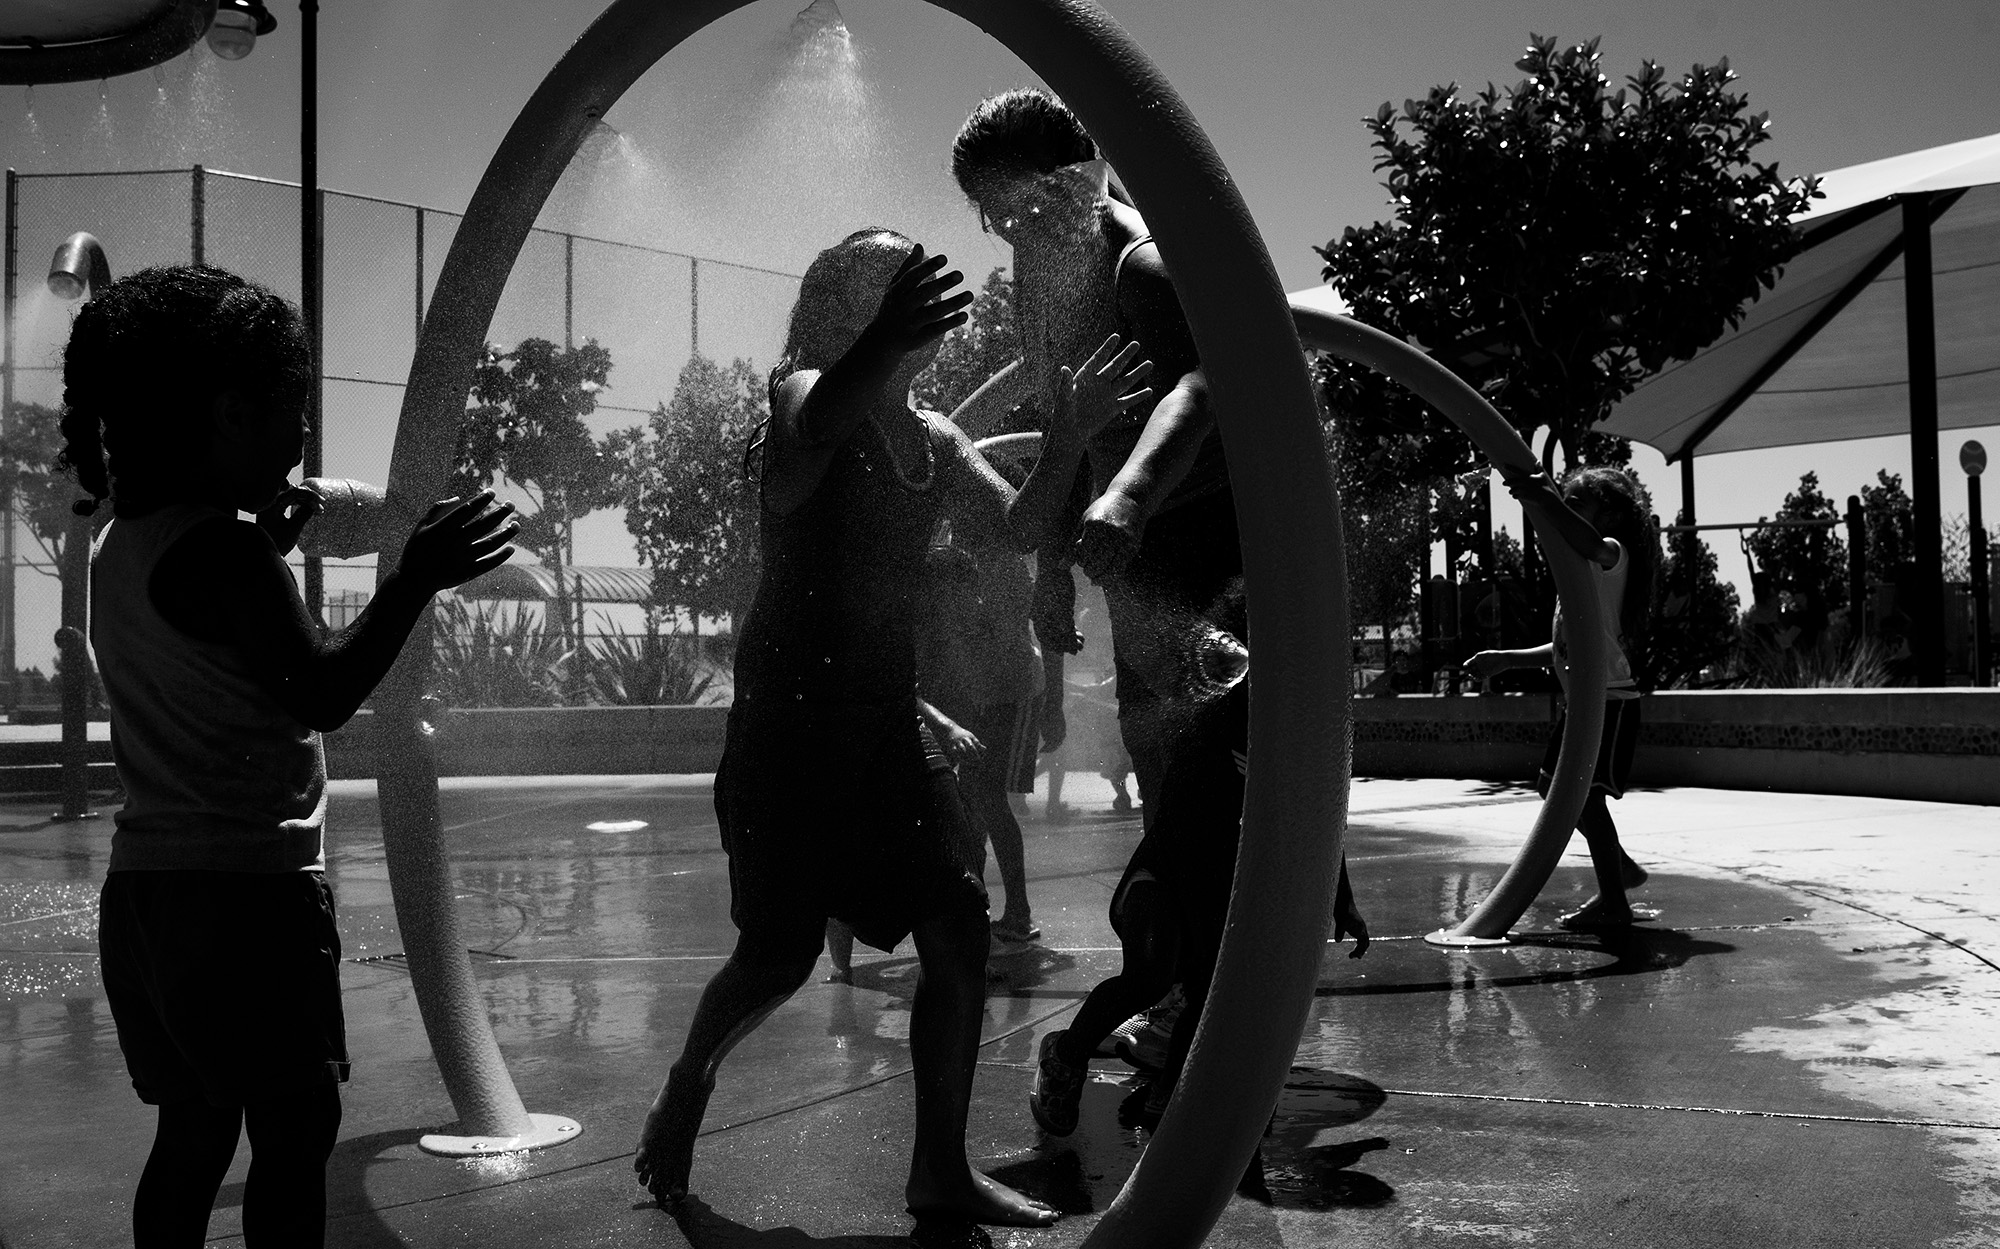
x: 666, y: 1144
x: 1596, y: 915
x: 973, y: 1197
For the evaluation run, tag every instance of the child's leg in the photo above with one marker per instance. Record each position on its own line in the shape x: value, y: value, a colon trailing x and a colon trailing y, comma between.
x: 291, y: 1137
x: 944, y: 1049
x: 993, y: 819
x: 840, y: 952
x: 1608, y: 861
x: 1149, y: 933
x: 192, y: 1149
x: 741, y: 995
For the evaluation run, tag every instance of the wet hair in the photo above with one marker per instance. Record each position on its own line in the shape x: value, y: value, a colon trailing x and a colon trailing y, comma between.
x: 1018, y: 134
x: 146, y: 359
x: 1624, y: 512
x: 838, y: 295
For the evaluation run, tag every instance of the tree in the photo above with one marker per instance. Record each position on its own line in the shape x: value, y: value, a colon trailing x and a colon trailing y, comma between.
x: 975, y: 351
x: 42, y: 492
x: 525, y: 424
x: 688, y: 506
x: 1556, y: 243
x: 1806, y: 566
x: 1889, y: 519
x: 1694, y: 627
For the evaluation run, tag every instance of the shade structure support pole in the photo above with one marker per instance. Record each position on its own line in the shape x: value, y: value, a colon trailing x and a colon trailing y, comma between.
x: 1926, y: 610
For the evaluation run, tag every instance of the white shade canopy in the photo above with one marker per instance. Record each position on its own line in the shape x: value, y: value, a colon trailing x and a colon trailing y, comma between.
x: 1823, y: 356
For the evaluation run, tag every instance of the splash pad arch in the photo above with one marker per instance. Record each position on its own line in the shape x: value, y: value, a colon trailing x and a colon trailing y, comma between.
x: 1295, y: 802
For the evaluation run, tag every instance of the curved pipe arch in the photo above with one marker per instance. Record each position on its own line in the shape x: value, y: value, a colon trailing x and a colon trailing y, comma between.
x: 1295, y: 805
x: 1467, y: 408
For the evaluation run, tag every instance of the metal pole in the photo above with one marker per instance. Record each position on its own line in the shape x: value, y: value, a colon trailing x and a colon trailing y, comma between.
x: 1927, y: 586
x: 312, y: 274
x: 1687, y: 487
x: 1857, y: 568
x: 569, y: 292
x: 198, y: 217
x: 7, y: 656
x: 694, y: 306
x: 1972, y: 458
x: 420, y: 276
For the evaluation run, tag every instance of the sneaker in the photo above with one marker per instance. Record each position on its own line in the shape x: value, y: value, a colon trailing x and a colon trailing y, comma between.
x: 1058, y: 1090
x: 1142, y: 1040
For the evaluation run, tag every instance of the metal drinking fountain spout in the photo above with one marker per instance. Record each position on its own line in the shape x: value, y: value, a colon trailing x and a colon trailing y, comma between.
x: 79, y: 266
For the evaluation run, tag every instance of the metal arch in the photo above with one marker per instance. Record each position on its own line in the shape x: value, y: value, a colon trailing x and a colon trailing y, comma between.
x: 1295, y: 806
x: 1570, y: 788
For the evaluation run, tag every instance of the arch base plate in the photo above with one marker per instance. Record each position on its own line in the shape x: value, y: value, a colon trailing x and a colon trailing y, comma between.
x: 543, y: 1132
x: 1462, y: 941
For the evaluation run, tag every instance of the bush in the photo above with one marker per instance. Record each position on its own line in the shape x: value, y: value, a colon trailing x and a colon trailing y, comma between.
x: 481, y: 661
x: 647, y: 670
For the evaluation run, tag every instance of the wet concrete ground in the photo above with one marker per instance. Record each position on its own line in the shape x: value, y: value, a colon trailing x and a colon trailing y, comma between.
x: 1799, y: 1050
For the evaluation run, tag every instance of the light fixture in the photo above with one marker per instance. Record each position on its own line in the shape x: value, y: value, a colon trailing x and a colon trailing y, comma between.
x: 79, y: 267
x: 233, y: 34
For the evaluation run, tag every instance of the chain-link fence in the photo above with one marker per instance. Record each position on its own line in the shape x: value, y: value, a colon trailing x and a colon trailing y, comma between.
x: 650, y: 308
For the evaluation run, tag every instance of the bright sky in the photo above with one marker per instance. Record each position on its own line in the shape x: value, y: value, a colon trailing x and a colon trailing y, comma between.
x: 415, y: 97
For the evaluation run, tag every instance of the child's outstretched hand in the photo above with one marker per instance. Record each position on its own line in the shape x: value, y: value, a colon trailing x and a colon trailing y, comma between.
x: 458, y: 540
x: 286, y: 516
x: 916, y: 311
x: 1529, y: 485
x: 1485, y: 664
x: 1107, y: 384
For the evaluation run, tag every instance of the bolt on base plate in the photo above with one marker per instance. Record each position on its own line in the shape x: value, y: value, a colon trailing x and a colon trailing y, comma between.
x: 544, y: 1131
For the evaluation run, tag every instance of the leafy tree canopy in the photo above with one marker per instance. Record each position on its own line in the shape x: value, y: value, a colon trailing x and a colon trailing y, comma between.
x: 975, y: 351
x: 42, y: 492
x: 689, y: 509
x: 525, y: 424
x: 1558, y: 241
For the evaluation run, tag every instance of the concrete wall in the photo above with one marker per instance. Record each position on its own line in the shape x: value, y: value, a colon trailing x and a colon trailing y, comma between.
x: 1936, y: 744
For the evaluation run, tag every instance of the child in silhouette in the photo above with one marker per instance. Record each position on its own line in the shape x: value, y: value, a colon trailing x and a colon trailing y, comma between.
x: 185, y: 399
x: 831, y: 798
x: 1603, y: 515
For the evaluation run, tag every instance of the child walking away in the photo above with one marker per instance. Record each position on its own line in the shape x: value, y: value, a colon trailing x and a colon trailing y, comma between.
x: 185, y: 398
x: 1603, y: 514
x: 828, y: 798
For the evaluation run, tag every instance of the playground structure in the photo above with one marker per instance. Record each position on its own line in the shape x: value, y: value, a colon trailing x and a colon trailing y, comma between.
x: 1271, y: 953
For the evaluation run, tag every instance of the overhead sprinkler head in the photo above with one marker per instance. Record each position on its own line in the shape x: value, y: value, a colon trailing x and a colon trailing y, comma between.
x: 233, y: 34
x: 821, y: 15
x: 79, y: 267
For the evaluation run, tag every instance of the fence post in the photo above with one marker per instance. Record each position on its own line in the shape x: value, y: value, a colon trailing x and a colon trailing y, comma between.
x: 7, y: 655
x: 420, y: 276
x: 694, y: 306
x: 197, y: 217
x: 312, y: 273
x: 569, y: 292
x: 1857, y: 568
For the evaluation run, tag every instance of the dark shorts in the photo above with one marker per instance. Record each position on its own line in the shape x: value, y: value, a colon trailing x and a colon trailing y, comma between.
x: 835, y: 811
x: 225, y: 986
x: 1614, y: 750
x: 1011, y: 733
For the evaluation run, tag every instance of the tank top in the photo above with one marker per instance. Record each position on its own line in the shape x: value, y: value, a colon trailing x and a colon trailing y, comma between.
x: 1610, y: 584
x: 217, y: 775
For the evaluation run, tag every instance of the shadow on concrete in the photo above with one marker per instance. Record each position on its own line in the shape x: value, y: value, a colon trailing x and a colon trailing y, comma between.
x: 706, y: 1229
x: 1633, y: 951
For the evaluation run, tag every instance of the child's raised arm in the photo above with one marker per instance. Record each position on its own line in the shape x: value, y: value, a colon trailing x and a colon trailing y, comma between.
x: 225, y: 582
x: 1539, y: 496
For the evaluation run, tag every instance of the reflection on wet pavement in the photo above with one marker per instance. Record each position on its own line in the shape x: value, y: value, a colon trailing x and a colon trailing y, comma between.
x: 1774, y: 1040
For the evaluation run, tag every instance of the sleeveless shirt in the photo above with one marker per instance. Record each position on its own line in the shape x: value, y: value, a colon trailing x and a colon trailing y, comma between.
x: 217, y: 775
x: 1610, y: 585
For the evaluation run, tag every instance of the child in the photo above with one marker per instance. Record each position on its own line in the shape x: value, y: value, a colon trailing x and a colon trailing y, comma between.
x: 185, y: 394
x: 827, y: 798
x: 1604, y: 516
x: 979, y: 666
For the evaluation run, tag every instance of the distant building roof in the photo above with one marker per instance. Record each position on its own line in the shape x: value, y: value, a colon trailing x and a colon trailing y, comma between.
x: 533, y: 583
